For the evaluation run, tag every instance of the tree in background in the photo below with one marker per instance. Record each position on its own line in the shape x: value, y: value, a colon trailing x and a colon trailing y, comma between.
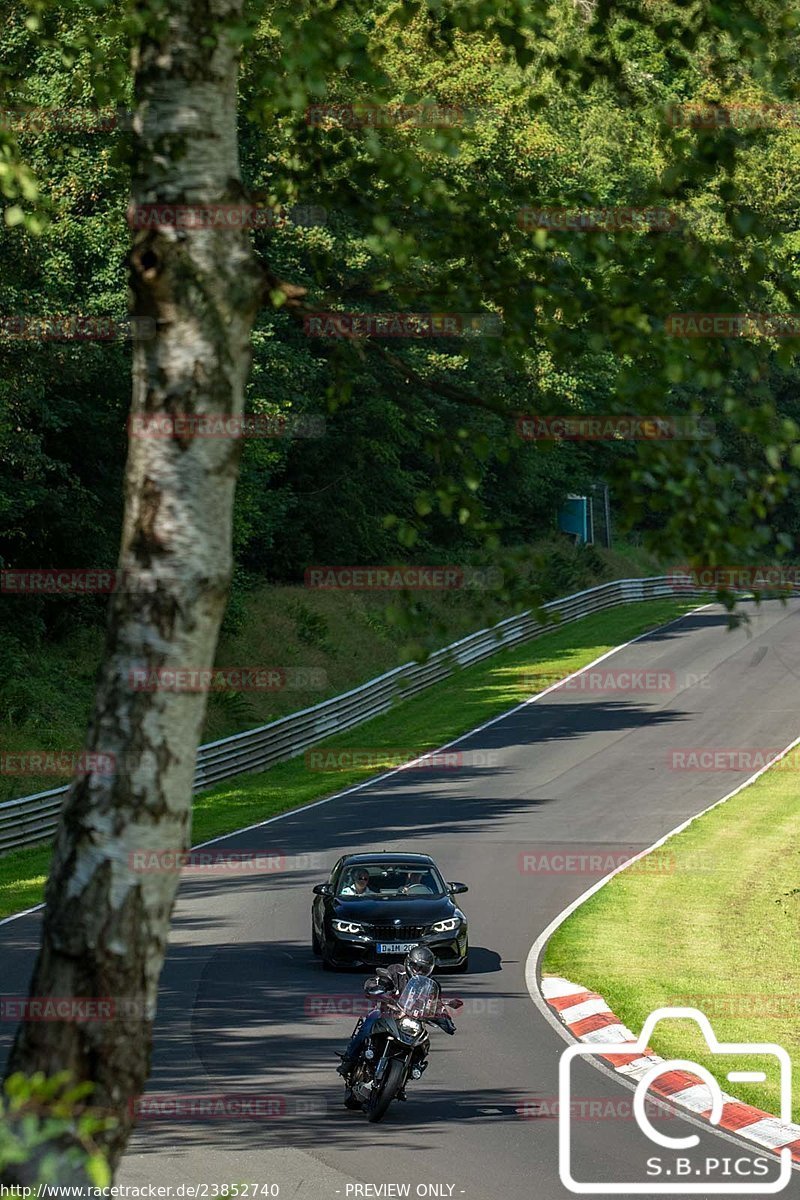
x: 423, y: 221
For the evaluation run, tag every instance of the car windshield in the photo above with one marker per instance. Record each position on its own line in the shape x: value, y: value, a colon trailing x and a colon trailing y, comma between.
x: 390, y: 881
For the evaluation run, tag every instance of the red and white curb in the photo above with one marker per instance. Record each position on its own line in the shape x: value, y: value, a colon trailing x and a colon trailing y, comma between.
x: 589, y: 1019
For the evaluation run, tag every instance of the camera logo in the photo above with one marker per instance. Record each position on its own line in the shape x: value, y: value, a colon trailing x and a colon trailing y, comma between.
x: 706, y: 1097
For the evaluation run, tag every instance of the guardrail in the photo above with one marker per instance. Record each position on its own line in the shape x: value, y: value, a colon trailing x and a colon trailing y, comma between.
x: 32, y: 819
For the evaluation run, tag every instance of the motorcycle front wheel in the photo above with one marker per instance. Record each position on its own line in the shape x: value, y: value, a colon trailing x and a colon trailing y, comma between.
x: 380, y: 1100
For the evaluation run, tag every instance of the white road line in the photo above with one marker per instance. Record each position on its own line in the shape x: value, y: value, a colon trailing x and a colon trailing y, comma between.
x: 534, y: 956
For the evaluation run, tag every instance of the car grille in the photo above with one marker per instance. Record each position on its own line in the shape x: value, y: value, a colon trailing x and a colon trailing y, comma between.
x: 395, y: 933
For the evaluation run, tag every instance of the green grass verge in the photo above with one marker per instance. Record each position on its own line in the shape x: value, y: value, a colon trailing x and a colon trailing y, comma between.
x: 712, y: 924
x: 425, y: 722
x: 347, y: 637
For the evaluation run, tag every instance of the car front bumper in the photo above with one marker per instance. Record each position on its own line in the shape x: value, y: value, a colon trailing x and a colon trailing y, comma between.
x: 360, y: 950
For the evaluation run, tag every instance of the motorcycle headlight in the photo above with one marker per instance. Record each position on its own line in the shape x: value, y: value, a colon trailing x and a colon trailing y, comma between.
x: 410, y: 1025
x: 446, y: 926
x: 348, y: 927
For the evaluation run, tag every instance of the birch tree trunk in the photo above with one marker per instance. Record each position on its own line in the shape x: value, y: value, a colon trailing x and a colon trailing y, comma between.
x: 105, y: 925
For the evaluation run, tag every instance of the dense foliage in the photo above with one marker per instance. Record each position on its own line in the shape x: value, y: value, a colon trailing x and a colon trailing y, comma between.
x: 551, y: 106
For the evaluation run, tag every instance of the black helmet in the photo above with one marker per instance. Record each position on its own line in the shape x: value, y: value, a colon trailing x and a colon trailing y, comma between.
x: 420, y: 961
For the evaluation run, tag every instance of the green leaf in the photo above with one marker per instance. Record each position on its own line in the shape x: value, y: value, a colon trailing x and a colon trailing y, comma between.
x: 98, y: 1170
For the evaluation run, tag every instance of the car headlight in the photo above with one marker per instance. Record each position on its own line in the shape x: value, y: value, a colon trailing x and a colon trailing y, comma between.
x: 446, y: 926
x: 347, y: 927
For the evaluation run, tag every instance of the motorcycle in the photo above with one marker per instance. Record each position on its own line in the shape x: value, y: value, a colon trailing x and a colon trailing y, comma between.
x: 398, y: 1044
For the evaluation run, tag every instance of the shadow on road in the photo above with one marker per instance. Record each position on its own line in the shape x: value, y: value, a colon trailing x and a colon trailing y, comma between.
x: 405, y: 1124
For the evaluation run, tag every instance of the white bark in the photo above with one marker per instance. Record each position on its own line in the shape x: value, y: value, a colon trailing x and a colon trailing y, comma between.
x: 105, y: 926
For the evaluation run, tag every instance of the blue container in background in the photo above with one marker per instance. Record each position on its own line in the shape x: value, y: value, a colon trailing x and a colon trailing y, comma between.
x: 575, y: 517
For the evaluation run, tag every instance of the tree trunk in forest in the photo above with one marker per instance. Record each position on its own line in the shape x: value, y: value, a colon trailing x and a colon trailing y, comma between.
x: 106, y: 925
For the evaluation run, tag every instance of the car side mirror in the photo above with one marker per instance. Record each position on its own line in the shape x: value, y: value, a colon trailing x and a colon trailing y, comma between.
x: 457, y: 889
x: 322, y: 889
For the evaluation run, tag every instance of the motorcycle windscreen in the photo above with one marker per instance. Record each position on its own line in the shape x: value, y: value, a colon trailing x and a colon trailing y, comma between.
x: 420, y: 997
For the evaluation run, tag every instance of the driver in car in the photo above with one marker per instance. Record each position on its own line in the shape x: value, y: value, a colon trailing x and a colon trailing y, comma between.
x: 359, y: 885
x: 392, y: 981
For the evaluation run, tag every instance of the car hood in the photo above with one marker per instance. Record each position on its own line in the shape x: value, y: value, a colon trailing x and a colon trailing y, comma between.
x: 382, y: 912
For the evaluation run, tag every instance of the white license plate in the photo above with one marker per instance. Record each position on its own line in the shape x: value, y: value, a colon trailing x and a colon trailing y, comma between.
x: 396, y: 947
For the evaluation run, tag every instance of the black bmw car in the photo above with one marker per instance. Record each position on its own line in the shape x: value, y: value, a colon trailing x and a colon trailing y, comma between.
x: 376, y: 907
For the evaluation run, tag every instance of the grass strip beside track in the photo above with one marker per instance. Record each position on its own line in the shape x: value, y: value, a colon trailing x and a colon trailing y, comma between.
x: 713, y: 925
x: 425, y: 722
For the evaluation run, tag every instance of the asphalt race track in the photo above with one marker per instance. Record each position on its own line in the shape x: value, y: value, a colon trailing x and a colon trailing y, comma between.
x: 240, y: 984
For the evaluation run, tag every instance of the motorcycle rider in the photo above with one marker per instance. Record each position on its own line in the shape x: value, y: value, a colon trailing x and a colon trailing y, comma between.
x: 392, y: 981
